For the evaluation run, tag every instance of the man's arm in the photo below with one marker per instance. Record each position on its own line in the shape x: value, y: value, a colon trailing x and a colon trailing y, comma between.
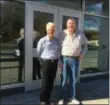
x: 39, y: 48
x: 84, y: 46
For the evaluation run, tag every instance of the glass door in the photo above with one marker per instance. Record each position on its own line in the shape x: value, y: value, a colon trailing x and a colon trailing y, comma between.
x: 64, y: 15
x: 37, y: 15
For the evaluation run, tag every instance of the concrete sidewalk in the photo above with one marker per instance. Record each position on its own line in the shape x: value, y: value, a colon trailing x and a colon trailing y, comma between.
x: 91, y: 92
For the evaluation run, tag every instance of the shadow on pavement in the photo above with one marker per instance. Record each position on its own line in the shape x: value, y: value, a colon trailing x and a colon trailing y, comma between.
x: 94, y: 90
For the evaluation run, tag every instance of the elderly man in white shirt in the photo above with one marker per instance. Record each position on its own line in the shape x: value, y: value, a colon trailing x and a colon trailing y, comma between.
x: 73, y: 48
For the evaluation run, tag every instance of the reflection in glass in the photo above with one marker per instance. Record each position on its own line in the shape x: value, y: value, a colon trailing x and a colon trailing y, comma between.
x: 71, y: 4
x: 10, y: 33
x: 94, y: 27
x: 97, y: 6
x: 20, y: 52
x: 39, y: 28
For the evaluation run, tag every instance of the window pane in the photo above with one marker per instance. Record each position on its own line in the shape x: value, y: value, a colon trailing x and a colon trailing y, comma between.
x: 12, y: 65
x: 96, y: 58
x: 100, y: 7
x: 39, y: 27
x: 73, y: 4
x: 40, y: 21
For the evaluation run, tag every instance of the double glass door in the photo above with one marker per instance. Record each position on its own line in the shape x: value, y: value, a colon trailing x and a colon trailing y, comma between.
x: 36, y: 17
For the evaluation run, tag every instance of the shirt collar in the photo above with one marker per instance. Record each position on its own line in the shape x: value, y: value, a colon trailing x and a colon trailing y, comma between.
x: 48, y: 37
x: 67, y: 33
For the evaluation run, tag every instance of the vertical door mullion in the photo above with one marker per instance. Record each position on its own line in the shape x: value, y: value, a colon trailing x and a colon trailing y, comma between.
x: 28, y: 46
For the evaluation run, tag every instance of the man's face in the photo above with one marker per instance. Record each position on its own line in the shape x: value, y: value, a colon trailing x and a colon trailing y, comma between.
x: 71, y: 25
x: 51, y: 30
x: 22, y: 33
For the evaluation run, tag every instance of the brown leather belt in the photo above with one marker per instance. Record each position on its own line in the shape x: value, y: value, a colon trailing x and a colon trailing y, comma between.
x: 73, y: 57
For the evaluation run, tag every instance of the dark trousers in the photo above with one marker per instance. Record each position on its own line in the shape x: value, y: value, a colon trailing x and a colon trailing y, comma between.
x: 21, y: 66
x: 49, y: 69
x: 36, y: 68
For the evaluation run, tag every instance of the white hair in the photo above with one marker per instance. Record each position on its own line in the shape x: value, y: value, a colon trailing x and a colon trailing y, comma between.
x: 49, y: 24
x: 22, y: 32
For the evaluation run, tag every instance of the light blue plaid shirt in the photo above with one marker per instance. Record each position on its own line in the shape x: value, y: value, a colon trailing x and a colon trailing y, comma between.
x: 48, y: 49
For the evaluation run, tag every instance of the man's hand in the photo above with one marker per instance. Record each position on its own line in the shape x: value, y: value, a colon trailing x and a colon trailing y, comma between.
x: 81, y: 56
x: 61, y: 66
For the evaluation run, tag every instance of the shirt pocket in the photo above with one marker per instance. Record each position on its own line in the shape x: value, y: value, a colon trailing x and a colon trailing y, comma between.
x: 48, y: 46
x: 77, y: 42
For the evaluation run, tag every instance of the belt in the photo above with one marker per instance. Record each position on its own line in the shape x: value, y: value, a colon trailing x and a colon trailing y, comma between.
x: 50, y: 60
x: 73, y: 57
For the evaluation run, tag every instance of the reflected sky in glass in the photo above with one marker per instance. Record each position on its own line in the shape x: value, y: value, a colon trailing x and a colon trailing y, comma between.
x: 92, y: 23
x: 100, y: 7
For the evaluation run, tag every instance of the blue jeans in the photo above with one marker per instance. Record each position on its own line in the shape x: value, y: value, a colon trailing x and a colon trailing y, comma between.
x: 70, y: 69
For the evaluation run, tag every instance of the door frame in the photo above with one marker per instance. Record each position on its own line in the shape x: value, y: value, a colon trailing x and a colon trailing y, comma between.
x: 72, y: 13
x: 29, y: 9
x: 58, y: 13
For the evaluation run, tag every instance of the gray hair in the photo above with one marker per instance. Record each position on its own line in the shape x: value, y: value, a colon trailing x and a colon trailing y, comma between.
x: 22, y: 32
x: 71, y: 19
x: 49, y: 24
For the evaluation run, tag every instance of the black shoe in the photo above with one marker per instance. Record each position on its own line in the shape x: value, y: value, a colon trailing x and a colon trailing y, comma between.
x: 52, y: 103
x: 20, y: 80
